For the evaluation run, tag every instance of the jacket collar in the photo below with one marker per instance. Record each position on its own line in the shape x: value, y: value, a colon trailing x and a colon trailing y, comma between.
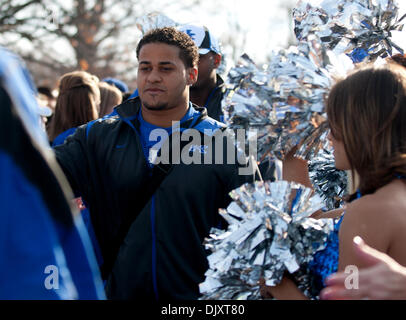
x: 131, y: 107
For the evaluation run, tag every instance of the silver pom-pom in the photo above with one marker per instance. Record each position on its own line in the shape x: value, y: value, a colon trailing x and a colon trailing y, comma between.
x: 270, y: 231
x: 283, y: 103
x: 359, y: 28
x: 154, y: 20
x: 329, y: 182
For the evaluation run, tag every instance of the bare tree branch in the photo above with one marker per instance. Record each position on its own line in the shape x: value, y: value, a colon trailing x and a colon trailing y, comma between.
x: 11, y: 10
x: 95, y: 32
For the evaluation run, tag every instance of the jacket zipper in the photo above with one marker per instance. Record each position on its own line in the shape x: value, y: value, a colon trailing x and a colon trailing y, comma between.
x: 152, y: 214
x: 154, y: 278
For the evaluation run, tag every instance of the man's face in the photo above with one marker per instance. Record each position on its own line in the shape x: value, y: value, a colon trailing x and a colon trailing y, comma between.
x: 208, y: 63
x: 163, y: 80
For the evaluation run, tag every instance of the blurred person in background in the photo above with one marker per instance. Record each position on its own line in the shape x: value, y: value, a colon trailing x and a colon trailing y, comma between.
x: 209, y: 89
x: 45, y: 249
x: 44, y: 111
x: 120, y: 85
x: 48, y: 95
x: 110, y: 97
x: 78, y: 102
x: 46, y: 98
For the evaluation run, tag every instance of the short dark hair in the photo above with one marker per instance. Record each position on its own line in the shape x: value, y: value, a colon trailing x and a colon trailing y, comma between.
x: 171, y: 36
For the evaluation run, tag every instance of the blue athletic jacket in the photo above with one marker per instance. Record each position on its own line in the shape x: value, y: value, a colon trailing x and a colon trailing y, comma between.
x: 45, y: 250
x: 150, y: 236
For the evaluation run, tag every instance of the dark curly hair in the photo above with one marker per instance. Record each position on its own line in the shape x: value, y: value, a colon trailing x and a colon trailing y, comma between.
x: 169, y: 35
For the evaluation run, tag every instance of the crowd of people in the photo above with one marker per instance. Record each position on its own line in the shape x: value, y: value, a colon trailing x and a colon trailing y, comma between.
x: 118, y: 224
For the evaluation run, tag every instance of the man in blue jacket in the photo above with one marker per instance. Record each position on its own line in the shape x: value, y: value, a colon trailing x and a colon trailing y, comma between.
x: 209, y: 88
x: 153, y: 178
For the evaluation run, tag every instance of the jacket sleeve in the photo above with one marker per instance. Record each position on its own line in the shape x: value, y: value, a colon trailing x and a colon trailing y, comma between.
x: 244, y: 170
x: 73, y: 157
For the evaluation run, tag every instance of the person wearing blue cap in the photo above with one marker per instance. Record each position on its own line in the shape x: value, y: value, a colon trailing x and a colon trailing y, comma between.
x: 120, y: 85
x: 208, y: 91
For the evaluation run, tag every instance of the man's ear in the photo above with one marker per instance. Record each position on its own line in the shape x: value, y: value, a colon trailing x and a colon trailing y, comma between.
x: 192, y: 76
x: 216, y: 60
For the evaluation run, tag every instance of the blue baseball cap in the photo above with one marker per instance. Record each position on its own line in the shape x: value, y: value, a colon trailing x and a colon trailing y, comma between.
x: 202, y: 37
x: 118, y: 83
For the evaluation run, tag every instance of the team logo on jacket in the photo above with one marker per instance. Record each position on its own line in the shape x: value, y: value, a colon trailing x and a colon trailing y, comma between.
x: 202, y: 148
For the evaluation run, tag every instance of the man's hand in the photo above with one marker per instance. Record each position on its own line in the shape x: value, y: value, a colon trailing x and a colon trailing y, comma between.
x: 383, y: 279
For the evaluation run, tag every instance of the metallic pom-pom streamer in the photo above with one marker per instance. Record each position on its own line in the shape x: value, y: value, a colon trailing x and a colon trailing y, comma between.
x: 360, y: 28
x: 154, y: 20
x: 270, y: 231
x: 283, y: 104
x: 329, y: 182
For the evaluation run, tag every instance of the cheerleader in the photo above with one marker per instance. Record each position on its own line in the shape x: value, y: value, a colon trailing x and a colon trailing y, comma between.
x: 366, y: 113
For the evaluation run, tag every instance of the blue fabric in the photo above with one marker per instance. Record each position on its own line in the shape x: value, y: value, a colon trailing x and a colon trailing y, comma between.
x: 358, y: 55
x: 117, y: 83
x: 31, y: 240
x: 28, y: 240
x: 325, y: 262
x: 209, y: 126
x: 77, y: 248
x: 134, y: 94
x: 16, y: 80
x: 60, y: 139
x: 145, y: 131
x: 89, y: 227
